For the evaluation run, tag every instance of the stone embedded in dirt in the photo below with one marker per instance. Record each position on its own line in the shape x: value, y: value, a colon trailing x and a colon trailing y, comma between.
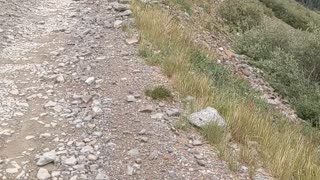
x: 117, y: 23
x: 60, y: 78
x: 120, y: 7
x: 134, y: 152
x: 144, y: 139
x: 146, y: 109
x: 90, y: 80
x: 126, y: 13
x: 43, y: 174
x: 196, y: 143
x: 50, y: 104
x: 206, y: 117
x: 130, y: 170
x: 92, y: 157
x: 14, y: 92
x: 55, y: 173
x: 173, y: 112
x: 47, y: 158
x: 29, y: 137
x: 12, y: 170
x: 142, y: 132
x: 86, y: 149
x: 158, y: 116
x: 131, y: 98
x: 201, y: 162
x: 132, y: 41
x: 1, y: 30
x: 70, y: 161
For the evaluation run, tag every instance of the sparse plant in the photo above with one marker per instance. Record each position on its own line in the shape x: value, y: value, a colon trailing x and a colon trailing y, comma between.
x: 159, y: 93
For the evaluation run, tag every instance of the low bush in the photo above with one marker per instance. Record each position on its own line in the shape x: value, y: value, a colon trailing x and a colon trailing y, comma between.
x: 291, y: 60
x: 293, y: 13
x: 245, y: 13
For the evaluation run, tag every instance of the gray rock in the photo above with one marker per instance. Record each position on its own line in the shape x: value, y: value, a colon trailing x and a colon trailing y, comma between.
x: 119, y: 7
x: 117, y: 23
x: 146, y: 109
x: 173, y: 112
x: 43, y: 174
x: 47, y: 158
x: 206, y: 117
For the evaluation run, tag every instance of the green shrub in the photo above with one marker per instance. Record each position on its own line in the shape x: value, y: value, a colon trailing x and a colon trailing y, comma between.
x: 159, y: 93
x: 243, y: 14
x: 291, y: 60
x: 293, y: 13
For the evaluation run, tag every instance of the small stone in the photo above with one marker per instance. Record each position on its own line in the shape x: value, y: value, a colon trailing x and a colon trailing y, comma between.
x: 144, y: 139
x: 70, y: 161
x: 146, y: 109
x: 142, y: 132
x: 60, y: 78
x: 29, y: 137
x: 12, y: 170
x: 90, y: 80
x: 198, y: 156
x: 201, y: 162
x: 158, y: 116
x: 138, y: 161
x: 117, y: 24
x: 50, y: 104
x: 196, y: 143
x: 45, y: 135
x: 43, y: 174
x: 46, y: 158
x: 92, y: 157
x: 173, y: 112
x: 131, y: 98
x: 134, y: 152
x: 55, y: 173
x: 130, y: 170
x: 132, y: 41
x: 86, y: 149
x: 14, y: 92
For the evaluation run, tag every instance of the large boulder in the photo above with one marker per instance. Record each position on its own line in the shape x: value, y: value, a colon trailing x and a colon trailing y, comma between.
x: 206, y: 117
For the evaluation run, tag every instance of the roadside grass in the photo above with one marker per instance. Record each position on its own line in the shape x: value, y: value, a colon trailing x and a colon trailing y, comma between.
x: 280, y: 145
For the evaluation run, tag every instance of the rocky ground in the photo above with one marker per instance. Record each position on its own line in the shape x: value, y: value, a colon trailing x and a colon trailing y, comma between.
x: 73, y: 104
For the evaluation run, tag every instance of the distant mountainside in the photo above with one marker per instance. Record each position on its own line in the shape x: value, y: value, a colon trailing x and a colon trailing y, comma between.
x: 313, y: 4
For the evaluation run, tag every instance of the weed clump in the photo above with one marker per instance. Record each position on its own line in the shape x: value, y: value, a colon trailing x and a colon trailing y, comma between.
x: 159, y: 93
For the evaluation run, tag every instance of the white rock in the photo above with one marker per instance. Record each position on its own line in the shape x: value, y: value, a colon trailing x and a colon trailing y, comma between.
x: 206, y: 117
x: 70, y: 161
x: 60, y: 78
x: 43, y: 174
x: 12, y: 170
x: 29, y: 137
x: 47, y: 158
x: 50, y: 104
x: 90, y: 80
x: 117, y: 24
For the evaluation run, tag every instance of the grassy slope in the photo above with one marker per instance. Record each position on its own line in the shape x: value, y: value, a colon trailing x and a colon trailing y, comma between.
x: 281, y: 146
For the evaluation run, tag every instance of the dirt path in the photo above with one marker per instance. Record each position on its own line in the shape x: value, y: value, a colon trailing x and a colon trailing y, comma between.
x: 65, y: 76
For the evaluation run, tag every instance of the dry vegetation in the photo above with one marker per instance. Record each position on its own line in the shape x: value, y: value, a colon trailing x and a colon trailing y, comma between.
x: 265, y: 138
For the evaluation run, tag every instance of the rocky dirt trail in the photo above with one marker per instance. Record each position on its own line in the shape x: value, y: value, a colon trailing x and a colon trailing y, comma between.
x: 73, y: 104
